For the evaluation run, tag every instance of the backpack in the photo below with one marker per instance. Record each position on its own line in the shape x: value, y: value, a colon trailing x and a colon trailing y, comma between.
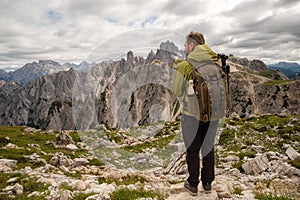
x: 208, y: 100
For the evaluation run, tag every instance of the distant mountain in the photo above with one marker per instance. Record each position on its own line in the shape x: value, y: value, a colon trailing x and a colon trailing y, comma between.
x: 256, y: 65
x: 3, y: 75
x: 291, y: 70
x: 34, y: 70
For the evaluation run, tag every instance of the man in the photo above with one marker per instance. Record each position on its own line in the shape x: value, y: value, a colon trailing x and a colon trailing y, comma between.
x: 197, y: 133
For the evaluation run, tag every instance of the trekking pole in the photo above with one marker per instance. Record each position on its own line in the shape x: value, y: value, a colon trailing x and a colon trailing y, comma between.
x: 225, y: 67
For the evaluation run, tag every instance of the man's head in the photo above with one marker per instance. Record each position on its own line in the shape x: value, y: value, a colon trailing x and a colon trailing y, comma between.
x: 191, y: 40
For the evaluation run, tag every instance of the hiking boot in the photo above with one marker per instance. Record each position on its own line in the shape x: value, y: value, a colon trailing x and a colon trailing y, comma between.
x: 206, y: 186
x: 192, y: 190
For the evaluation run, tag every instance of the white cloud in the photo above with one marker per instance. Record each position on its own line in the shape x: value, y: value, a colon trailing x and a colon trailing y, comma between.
x: 68, y: 31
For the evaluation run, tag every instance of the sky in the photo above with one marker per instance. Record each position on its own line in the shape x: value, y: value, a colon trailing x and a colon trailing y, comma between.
x: 73, y: 30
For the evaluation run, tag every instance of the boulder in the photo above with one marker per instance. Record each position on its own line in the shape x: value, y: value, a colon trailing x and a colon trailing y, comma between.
x: 11, y: 146
x: 292, y: 153
x: 30, y: 130
x: 59, y: 159
x: 72, y: 147
x: 14, y: 189
x: 256, y: 165
x: 80, y: 162
x: 223, y: 187
x: 8, y: 162
x: 80, y: 185
x: 64, y: 139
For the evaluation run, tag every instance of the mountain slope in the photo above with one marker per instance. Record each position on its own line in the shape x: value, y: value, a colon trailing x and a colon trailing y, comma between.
x: 291, y: 70
x: 131, y: 92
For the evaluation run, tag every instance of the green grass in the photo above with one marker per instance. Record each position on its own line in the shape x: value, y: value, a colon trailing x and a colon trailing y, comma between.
x: 126, y: 194
x: 271, y: 197
x: 247, y: 153
x: 75, y: 175
x: 22, y: 139
x: 114, y: 135
x: 238, y: 166
x: 65, y: 186
x: 30, y: 184
x: 75, y: 136
x: 253, y: 131
x: 267, y: 73
x: 3, y: 141
x: 163, y: 138
x: 168, y: 129
x: 237, y: 191
x: 18, y: 137
x: 82, y: 196
x: 4, y: 177
x: 239, y: 137
x: 295, y: 163
x: 125, y: 180
x: 21, y: 197
x: 277, y: 82
x: 96, y: 162
x: 158, y: 143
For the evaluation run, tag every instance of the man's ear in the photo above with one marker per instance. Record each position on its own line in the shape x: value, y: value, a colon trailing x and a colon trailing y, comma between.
x: 191, y: 45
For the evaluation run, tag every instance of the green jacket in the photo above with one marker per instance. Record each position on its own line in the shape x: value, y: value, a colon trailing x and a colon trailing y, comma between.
x: 184, y: 70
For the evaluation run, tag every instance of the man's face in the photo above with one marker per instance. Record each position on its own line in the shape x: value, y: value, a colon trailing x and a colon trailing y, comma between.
x: 188, y: 47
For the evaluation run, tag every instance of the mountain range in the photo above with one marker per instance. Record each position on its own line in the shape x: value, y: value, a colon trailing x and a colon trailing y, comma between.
x: 136, y: 90
x: 290, y: 69
x: 34, y: 70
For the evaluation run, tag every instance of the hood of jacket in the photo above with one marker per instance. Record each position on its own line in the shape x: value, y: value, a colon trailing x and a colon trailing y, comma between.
x: 203, y: 53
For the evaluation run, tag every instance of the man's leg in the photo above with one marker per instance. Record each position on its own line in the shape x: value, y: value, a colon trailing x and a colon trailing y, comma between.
x: 208, y: 168
x: 207, y: 150
x: 190, y: 132
x: 193, y: 164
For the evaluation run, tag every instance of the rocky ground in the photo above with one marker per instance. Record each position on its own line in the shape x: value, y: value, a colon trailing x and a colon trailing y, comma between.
x: 256, y: 158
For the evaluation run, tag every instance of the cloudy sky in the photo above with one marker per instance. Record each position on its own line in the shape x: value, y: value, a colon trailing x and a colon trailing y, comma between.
x: 71, y: 30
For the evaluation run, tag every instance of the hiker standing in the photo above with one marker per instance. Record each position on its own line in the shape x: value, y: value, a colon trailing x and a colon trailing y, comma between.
x: 198, y: 130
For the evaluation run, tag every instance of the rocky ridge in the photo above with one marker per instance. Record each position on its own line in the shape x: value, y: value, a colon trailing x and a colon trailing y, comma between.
x: 60, y: 101
x: 35, y: 70
x: 291, y: 70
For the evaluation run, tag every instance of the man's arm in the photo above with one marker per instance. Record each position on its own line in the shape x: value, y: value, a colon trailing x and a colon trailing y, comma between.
x: 182, y: 75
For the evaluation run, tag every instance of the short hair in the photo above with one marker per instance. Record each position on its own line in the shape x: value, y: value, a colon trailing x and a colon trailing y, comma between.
x: 196, y: 38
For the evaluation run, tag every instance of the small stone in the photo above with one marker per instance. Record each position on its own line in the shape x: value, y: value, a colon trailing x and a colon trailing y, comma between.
x: 11, y: 180
x: 224, y: 187
x: 292, y: 154
x: 72, y: 147
x: 80, y: 185
x: 5, y: 168
x: 11, y: 146
x: 63, y: 138
x: 15, y: 189
x: 30, y: 130
x: 18, y: 189
x: 50, y: 131
x: 230, y: 158
x: 54, y: 161
x: 80, y: 162
x: 285, y: 112
x: 8, y: 162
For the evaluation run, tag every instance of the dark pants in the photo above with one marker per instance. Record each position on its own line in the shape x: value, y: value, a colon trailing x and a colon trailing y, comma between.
x: 199, y: 135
